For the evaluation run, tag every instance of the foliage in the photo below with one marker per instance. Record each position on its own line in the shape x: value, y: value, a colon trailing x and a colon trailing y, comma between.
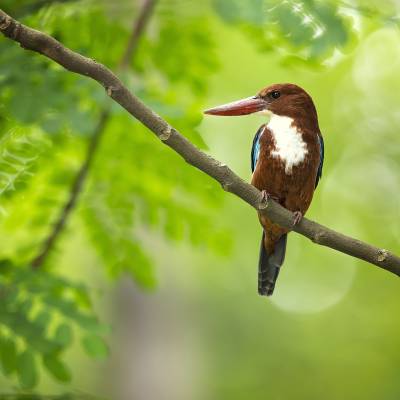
x: 54, y: 119
x: 301, y: 30
x: 138, y: 191
x: 19, y: 156
x: 40, y: 313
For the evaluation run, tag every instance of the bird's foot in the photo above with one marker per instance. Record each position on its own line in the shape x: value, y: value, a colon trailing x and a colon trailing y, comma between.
x: 297, y: 217
x: 265, y: 196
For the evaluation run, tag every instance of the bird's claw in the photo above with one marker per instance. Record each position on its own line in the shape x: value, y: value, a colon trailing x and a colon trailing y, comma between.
x: 297, y: 217
x: 265, y: 196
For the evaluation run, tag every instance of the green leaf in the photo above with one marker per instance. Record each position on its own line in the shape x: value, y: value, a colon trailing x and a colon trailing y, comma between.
x: 57, y: 368
x: 27, y: 370
x: 25, y: 306
x: 8, y: 355
x: 95, y: 346
x: 310, y: 29
x: 6, y: 266
x: 83, y: 298
x: 20, y: 150
x: 63, y: 335
x: 43, y: 319
x: 234, y: 11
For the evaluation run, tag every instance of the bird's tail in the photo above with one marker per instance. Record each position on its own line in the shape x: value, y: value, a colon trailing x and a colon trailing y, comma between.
x: 269, y: 265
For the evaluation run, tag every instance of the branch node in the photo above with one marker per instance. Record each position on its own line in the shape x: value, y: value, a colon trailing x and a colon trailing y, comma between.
x: 224, y: 167
x: 382, y: 255
x: 226, y: 186
x: 110, y: 90
x: 165, y: 134
x: 16, y: 31
x: 318, y: 237
x: 5, y: 22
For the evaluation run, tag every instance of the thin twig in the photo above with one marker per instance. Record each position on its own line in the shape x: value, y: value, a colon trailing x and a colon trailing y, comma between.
x: 138, y: 28
x: 76, y: 189
x: 48, y: 46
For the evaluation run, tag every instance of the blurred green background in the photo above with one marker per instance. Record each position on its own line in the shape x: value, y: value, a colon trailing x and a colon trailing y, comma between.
x: 150, y: 289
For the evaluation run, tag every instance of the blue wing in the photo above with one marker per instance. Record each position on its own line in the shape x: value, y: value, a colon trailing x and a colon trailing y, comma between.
x: 321, y: 159
x: 255, y: 149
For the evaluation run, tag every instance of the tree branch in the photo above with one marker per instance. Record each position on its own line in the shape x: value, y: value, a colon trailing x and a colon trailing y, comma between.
x: 76, y: 189
x: 138, y: 28
x: 39, y: 42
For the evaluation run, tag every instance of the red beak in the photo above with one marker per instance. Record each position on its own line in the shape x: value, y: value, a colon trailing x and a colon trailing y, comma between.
x: 240, y: 107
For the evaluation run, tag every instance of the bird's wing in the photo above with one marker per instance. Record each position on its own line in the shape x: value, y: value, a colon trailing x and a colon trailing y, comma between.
x: 321, y: 159
x: 255, y: 149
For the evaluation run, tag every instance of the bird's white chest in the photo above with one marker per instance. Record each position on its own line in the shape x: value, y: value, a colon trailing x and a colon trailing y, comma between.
x: 289, y: 144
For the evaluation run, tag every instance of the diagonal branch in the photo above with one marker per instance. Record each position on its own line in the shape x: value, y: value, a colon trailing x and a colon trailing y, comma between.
x: 48, y: 46
x: 138, y: 28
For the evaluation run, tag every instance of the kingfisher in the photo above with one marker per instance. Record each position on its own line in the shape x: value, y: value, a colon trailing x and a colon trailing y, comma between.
x: 287, y: 157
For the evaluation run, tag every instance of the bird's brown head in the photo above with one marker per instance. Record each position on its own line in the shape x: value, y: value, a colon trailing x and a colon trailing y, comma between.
x: 284, y: 99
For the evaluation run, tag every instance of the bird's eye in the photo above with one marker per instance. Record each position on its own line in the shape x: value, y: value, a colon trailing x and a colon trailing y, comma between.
x: 275, y: 94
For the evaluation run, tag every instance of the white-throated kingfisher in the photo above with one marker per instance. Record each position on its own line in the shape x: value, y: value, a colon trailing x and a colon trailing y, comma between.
x: 286, y: 160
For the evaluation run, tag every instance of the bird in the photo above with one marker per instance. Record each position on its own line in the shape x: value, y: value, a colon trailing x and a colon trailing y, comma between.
x: 287, y: 158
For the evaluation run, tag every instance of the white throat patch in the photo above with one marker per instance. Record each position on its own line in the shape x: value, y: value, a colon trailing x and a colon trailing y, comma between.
x: 289, y: 143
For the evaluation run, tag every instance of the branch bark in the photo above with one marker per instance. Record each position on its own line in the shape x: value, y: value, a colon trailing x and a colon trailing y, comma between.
x: 46, y: 45
x: 138, y: 28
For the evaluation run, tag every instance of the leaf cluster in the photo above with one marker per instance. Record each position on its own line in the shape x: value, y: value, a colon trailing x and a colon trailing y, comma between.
x: 135, y: 187
x: 306, y: 32
x: 40, y: 313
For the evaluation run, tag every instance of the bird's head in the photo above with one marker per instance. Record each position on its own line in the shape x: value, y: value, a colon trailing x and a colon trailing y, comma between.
x: 283, y: 99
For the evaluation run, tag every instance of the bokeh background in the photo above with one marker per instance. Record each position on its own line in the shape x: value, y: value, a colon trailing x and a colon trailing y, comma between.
x: 150, y: 290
